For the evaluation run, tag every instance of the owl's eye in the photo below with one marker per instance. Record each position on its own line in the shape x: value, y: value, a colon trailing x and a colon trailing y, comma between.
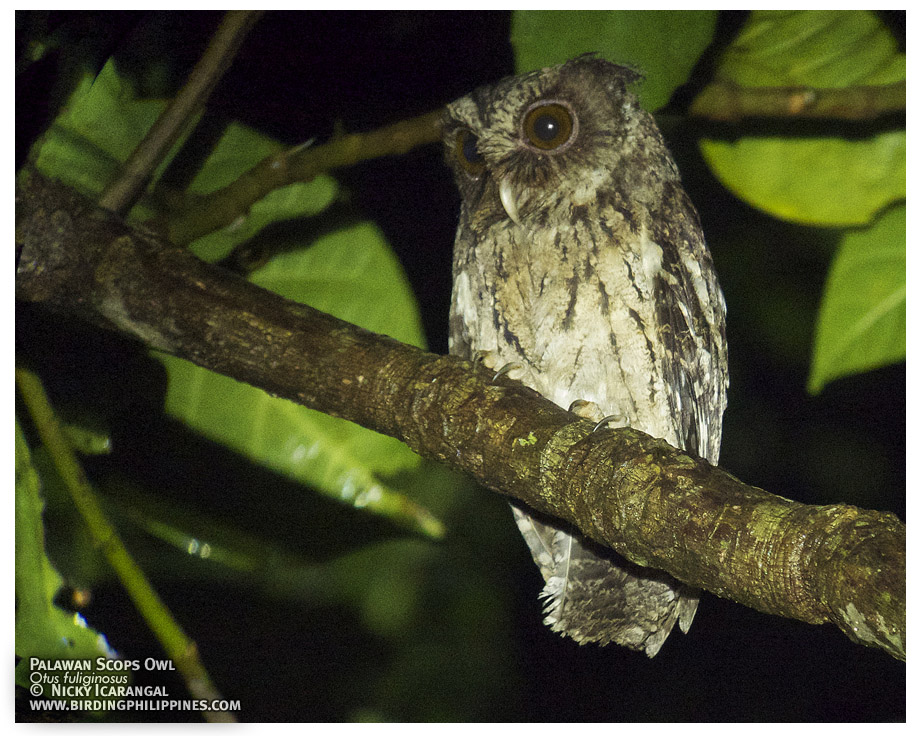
x: 468, y: 154
x: 549, y: 125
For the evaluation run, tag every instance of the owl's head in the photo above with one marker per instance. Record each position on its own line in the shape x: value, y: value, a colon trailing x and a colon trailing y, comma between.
x: 528, y: 145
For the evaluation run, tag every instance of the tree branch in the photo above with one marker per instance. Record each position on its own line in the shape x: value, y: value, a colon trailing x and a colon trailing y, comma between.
x: 122, y: 193
x: 730, y: 102
x: 651, y: 502
x: 721, y: 101
x: 198, y: 216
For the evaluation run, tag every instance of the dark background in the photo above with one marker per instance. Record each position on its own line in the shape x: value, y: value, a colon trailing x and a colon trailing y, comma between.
x: 297, y: 75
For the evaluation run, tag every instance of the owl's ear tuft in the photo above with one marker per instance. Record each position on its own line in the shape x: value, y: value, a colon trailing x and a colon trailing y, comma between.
x: 622, y: 73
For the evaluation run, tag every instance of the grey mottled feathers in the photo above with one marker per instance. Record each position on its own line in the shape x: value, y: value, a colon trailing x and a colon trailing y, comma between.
x: 631, y: 605
x: 580, y: 259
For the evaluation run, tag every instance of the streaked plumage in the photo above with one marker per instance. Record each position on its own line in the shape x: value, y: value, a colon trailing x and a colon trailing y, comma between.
x: 580, y: 258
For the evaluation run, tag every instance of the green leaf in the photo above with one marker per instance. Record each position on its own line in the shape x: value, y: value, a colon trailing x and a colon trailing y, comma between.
x: 353, y: 275
x: 87, y: 431
x: 104, y: 121
x: 240, y: 148
x: 99, y: 127
x: 42, y: 629
x: 813, y: 180
x: 863, y: 315
x: 663, y: 45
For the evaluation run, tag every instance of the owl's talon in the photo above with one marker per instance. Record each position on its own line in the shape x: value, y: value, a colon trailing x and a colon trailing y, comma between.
x: 606, y: 420
x: 506, y: 369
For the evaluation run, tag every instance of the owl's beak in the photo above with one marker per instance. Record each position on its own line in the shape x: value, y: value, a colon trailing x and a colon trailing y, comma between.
x: 506, y: 195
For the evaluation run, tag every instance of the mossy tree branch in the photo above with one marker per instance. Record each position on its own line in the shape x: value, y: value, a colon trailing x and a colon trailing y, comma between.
x: 651, y: 502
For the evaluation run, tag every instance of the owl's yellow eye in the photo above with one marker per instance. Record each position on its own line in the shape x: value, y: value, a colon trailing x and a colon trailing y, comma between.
x: 468, y: 154
x: 549, y: 126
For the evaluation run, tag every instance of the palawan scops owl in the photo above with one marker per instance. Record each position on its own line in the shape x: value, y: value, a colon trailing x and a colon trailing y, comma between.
x: 580, y: 264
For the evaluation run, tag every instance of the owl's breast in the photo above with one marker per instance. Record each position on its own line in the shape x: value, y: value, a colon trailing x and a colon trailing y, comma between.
x: 577, y: 310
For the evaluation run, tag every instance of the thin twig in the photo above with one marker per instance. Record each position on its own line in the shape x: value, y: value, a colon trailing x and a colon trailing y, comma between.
x: 122, y: 193
x: 729, y: 102
x: 180, y: 649
x: 203, y: 215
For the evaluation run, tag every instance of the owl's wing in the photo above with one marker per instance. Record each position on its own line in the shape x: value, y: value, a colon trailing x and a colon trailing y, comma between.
x: 690, y: 302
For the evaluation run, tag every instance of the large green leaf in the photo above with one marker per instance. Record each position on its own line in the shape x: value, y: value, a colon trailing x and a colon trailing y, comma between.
x: 663, y: 45
x: 351, y: 273
x: 813, y: 180
x: 99, y: 127
x: 42, y: 629
x: 863, y: 315
x: 103, y: 122
x: 354, y: 275
x: 239, y: 149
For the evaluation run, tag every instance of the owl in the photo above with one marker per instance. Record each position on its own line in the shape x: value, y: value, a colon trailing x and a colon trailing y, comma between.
x: 580, y: 269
